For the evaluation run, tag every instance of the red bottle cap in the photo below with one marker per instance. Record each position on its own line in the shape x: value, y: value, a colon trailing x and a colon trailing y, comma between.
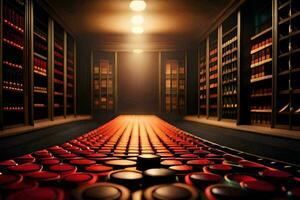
x: 63, y: 168
x: 25, y: 168
x: 45, y: 193
x: 98, y: 168
x: 7, y: 163
x: 199, y: 162
x: 82, y: 162
x: 238, y: 178
x: 43, y: 176
x: 79, y: 178
x: 258, y: 186
x: 6, y: 179
x: 23, y: 185
x: 181, y: 168
x: 51, y: 161
x: 168, y: 163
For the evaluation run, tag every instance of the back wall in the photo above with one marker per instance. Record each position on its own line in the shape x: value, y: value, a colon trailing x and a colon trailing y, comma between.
x: 138, y: 83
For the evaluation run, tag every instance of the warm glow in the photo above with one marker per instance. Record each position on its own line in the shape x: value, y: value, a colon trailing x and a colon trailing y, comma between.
x: 137, y: 30
x: 137, y: 20
x: 138, y: 5
x: 138, y: 51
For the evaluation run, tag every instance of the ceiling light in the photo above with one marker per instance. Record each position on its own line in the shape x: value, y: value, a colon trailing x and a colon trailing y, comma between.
x: 138, y: 5
x: 138, y: 51
x: 137, y: 20
x: 137, y: 30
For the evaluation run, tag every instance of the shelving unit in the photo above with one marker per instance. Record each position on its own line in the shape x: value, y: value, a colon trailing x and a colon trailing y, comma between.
x: 171, y: 85
x: 261, y: 66
x: 40, y: 63
x: 59, y: 71
x: 229, y: 68
x: 288, y: 64
x: 175, y: 86
x: 181, y: 87
x: 13, y: 69
x: 202, y: 79
x: 103, y: 82
x: 70, y: 76
x: 213, y: 74
x: 35, y: 83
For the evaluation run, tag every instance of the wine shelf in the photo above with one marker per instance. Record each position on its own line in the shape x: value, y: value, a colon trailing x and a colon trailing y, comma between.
x: 288, y: 65
x: 213, y: 74
x: 229, y: 67
x: 13, y: 61
x: 70, y: 76
x: 175, y: 86
x: 40, y: 63
x: 261, y: 46
x: 33, y: 66
x: 59, y: 70
x: 103, y: 82
x: 202, y: 79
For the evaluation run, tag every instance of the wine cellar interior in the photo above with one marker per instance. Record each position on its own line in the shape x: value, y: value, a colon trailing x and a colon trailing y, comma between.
x: 145, y: 99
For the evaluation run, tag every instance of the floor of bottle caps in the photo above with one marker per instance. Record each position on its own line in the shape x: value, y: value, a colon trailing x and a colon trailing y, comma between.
x: 144, y: 157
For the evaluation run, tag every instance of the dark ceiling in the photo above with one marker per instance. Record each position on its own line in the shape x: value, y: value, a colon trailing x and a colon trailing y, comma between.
x: 106, y: 23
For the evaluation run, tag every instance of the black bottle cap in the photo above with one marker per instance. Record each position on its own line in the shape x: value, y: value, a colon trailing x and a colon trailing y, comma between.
x: 148, y: 161
x: 175, y: 191
x: 221, y: 191
x: 202, y: 179
x: 294, y: 193
x: 171, y: 192
x: 121, y: 163
x: 220, y: 169
x: 159, y: 176
x: 102, y: 191
x: 129, y: 178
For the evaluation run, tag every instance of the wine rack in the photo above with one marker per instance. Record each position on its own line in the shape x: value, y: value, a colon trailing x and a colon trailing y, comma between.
x: 175, y: 86
x: 59, y: 71
x: 181, y: 87
x: 40, y: 63
x: 13, y: 72
x: 213, y: 74
x: 70, y: 76
x: 103, y: 82
x: 261, y: 67
x: 171, y: 85
x: 202, y: 79
x: 96, y: 85
x: 229, y: 68
x: 288, y: 64
x: 35, y: 83
x: 105, y: 85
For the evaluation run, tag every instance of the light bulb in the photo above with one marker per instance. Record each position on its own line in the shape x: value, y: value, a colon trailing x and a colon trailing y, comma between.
x: 138, y: 51
x: 137, y: 30
x: 138, y: 5
x: 137, y: 20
